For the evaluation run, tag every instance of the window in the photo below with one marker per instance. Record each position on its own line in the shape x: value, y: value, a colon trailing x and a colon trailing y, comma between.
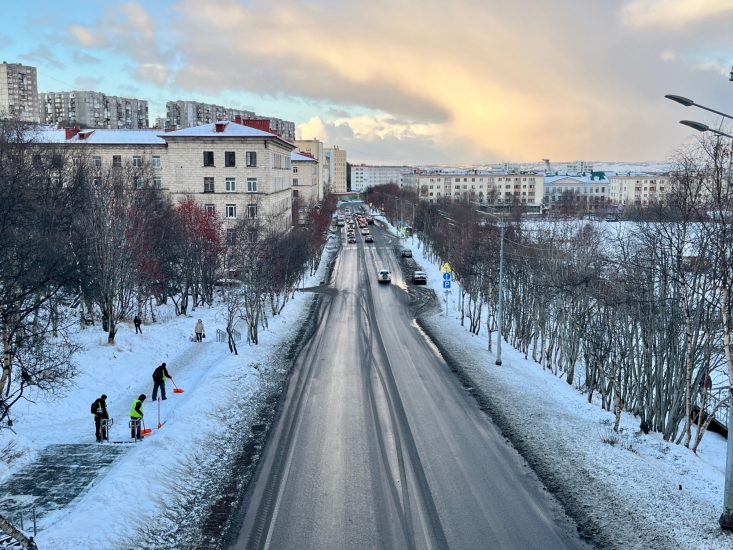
x: 138, y: 182
x: 295, y: 193
x: 156, y: 161
x: 251, y: 158
x: 116, y: 161
x: 157, y: 182
x: 252, y: 211
x: 76, y: 161
x: 231, y: 185
x: 97, y: 161
x: 295, y: 169
x: 208, y: 158
x: 231, y: 211
x: 231, y: 237
x: 210, y: 209
x: 251, y: 185
x: 208, y: 185
x: 295, y: 181
x: 137, y: 161
x: 229, y: 159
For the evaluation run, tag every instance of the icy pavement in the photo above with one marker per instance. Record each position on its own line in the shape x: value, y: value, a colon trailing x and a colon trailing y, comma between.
x: 59, y: 475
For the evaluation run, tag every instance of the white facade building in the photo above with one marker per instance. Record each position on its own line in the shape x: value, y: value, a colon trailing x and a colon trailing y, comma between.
x: 18, y: 92
x: 364, y: 175
x: 306, y: 175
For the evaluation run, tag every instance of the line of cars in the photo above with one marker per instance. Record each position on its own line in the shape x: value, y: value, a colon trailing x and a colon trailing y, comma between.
x: 351, y: 223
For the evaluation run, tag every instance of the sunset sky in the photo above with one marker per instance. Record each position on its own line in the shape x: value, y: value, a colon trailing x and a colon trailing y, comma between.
x: 405, y: 81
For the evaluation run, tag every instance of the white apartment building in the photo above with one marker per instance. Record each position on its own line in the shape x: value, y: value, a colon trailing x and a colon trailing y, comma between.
x: 506, y: 167
x: 93, y: 110
x: 364, y: 175
x: 593, y: 190
x: 315, y: 148
x: 18, y: 92
x: 306, y: 175
x: 497, y: 189
x: 234, y: 171
x: 638, y: 189
x: 188, y: 114
x: 578, y: 167
x: 335, y: 161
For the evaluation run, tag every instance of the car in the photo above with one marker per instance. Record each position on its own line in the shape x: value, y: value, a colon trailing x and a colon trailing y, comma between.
x: 368, y: 238
x: 370, y: 220
x: 419, y: 278
x: 384, y: 276
x: 406, y: 253
x: 364, y: 231
x: 352, y: 239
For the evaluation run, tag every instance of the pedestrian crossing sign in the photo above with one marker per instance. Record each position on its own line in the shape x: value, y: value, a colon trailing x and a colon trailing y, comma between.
x: 446, y: 268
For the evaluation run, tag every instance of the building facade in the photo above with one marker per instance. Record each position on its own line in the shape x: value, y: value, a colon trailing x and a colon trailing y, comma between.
x: 364, y: 175
x: 638, y: 189
x: 306, y: 175
x: 189, y: 114
x: 335, y: 161
x: 315, y: 148
x: 93, y: 110
x: 18, y: 92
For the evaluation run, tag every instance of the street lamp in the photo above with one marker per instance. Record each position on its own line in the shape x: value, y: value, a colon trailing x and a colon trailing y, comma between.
x: 726, y: 518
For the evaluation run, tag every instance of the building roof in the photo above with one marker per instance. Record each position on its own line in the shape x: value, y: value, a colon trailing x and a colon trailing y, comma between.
x: 297, y: 157
x: 231, y: 129
x: 103, y: 136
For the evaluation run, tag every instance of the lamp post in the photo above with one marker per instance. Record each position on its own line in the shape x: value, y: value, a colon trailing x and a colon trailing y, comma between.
x: 726, y: 518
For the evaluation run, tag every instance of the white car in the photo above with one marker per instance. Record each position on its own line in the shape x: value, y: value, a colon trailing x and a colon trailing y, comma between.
x: 384, y: 276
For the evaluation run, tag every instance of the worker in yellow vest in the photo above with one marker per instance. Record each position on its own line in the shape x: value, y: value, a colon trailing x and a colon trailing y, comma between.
x: 136, y: 413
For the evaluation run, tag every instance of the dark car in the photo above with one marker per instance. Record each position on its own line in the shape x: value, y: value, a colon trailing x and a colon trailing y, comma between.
x: 368, y: 238
x: 419, y: 278
x: 352, y: 239
x: 406, y: 253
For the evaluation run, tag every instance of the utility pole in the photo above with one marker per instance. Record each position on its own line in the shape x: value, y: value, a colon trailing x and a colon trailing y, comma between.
x: 499, y: 311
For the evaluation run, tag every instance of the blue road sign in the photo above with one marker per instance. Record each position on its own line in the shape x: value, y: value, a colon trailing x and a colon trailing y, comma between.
x: 446, y: 284
x: 446, y: 276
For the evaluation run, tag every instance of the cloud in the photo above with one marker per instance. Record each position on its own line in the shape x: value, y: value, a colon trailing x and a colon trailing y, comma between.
x: 5, y: 41
x: 43, y: 55
x: 673, y: 13
x: 89, y: 38
x: 83, y: 58
x: 87, y: 82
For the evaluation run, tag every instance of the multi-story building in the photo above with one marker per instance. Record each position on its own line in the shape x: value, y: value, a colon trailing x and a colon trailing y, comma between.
x: 335, y: 160
x: 306, y: 175
x: 188, y: 114
x: 234, y: 171
x: 18, y: 92
x: 506, y: 167
x: 498, y: 189
x: 315, y: 148
x: 364, y: 175
x: 591, y: 191
x: 638, y: 189
x: 93, y: 110
x: 578, y: 167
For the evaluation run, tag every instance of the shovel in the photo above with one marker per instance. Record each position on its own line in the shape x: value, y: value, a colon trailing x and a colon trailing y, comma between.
x: 176, y: 389
x: 145, y: 431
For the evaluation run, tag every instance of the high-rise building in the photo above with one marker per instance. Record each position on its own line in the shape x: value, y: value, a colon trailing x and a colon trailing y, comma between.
x: 93, y: 110
x: 188, y: 114
x: 336, y: 162
x: 18, y: 92
x: 364, y: 175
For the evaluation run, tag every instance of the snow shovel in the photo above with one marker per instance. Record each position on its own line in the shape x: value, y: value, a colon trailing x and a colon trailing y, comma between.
x: 176, y: 389
x: 145, y: 431
x: 159, y: 424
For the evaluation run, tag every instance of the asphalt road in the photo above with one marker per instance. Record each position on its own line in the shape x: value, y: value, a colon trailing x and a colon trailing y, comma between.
x: 379, y: 446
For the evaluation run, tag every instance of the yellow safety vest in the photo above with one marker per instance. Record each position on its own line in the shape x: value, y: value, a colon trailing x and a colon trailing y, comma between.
x: 133, y: 412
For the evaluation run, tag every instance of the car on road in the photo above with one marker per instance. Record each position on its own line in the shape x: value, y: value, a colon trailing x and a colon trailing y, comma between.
x: 368, y: 238
x: 419, y: 278
x: 364, y: 231
x: 384, y: 276
x: 406, y: 253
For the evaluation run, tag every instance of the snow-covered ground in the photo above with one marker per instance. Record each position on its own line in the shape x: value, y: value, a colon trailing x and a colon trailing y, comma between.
x: 641, y: 492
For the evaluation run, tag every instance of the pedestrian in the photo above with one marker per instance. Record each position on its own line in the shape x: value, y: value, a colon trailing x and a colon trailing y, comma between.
x: 199, y: 330
x: 159, y: 376
x: 136, y: 417
x: 99, y: 410
x: 137, y: 322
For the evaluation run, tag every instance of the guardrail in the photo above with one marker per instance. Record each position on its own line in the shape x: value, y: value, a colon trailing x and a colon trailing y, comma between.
x: 715, y: 396
x: 221, y: 336
x: 16, y: 517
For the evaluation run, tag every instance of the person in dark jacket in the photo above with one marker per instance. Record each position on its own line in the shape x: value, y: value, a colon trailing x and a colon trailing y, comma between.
x: 159, y: 376
x: 137, y: 322
x: 100, y: 413
x: 137, y: 413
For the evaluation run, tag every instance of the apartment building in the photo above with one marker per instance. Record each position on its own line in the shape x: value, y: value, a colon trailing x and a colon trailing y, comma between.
x: 18, y: 92
x: 492, y: 188
x: 93, y: 110
x: 578, y: 167
x: 233, y: 170
x: 306, y: 175
x: 335, y: 161
x: 592, y: 190
x: 188, y: 114
x: 364, y: 175
x: 638, y: 189
x: 315, y: 148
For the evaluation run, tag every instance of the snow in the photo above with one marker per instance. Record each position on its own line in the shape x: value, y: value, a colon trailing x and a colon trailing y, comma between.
x: 625, y: 495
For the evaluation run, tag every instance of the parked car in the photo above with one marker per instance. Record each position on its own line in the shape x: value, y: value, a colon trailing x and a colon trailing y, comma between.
x: 406, y: 253
x: 384, y: 276
x: 368, y: 238
x: 419, y: 278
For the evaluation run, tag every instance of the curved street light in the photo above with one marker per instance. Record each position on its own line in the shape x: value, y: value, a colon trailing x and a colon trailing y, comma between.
x: 689, y: 103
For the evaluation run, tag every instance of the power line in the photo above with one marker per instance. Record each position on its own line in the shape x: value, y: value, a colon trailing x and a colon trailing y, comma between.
x: 60, y: 81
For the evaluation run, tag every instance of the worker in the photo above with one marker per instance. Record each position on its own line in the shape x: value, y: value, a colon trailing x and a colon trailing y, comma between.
x: 99, y: 410
x: 159, y: 376
x: 136, y: 417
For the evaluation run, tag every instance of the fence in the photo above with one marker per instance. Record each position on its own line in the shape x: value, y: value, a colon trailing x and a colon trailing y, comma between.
x: 16, y: 518
x: 221, y: 336
x: 713, y: 398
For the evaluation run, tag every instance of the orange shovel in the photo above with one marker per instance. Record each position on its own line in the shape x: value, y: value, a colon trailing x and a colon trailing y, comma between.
x: 145, y: 431
x: 176, y: 389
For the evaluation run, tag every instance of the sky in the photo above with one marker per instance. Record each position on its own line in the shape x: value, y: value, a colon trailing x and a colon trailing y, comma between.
x: 413, y: 82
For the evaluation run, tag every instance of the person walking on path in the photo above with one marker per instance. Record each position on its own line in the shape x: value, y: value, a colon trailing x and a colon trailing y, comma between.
x: 136, y: 414
x: 199, y: 330
x: 159, y: 376
x: 137, y: 322
x: 99, y: 410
